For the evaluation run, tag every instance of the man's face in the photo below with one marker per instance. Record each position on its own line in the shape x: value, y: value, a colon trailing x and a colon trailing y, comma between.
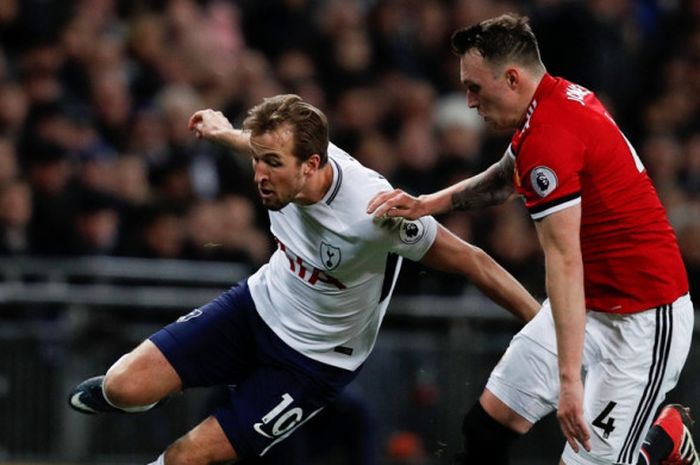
x: 489, y: 92
x: 278, y: 173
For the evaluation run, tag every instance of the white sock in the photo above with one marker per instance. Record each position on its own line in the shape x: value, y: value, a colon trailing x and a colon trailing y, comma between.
x: 159, y: 461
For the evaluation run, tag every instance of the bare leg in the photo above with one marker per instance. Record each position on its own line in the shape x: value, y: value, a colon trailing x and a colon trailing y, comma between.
x: 204, y: 445
x: 141, y: 377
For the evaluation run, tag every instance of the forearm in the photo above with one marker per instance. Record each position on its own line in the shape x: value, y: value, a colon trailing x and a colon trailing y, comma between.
x: 566, y: 295
x: 491, y: 187
x: 213, y: 126
x: 236, y: 139
x: 501, y: 287
x: 453, y: 255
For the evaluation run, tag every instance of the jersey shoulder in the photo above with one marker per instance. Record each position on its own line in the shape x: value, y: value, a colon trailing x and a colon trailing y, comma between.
x: 569, y: 105
x: 354, y: 181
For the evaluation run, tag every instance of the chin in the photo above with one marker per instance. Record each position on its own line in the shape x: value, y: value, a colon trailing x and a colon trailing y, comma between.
x: 273, y: 206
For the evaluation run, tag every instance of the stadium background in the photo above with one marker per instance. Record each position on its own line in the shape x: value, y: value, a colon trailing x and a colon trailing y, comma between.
x: 114, y: 220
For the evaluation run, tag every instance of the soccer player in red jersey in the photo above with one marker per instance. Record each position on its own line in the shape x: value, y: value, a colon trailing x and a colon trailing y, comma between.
x: 612, y: 337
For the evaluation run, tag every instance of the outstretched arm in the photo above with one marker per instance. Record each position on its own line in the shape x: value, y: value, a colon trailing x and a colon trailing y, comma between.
x: 213, y: 126
x: 490, y: 187
x: 451, y: 254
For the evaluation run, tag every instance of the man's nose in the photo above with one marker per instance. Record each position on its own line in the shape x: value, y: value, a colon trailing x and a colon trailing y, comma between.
x: 472, y: 100
x: 260, y: 173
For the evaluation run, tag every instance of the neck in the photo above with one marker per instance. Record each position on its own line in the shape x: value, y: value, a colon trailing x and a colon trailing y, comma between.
x: 317, y: 185
x: 529, y: 89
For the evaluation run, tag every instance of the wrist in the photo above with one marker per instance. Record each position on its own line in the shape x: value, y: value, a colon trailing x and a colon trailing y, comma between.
x: 423, y: 207
x: 570, y: 377
x: 429, y: 204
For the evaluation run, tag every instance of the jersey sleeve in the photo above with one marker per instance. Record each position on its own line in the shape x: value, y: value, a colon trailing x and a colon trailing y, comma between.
x: 409, y: 238
x: 548, y: 170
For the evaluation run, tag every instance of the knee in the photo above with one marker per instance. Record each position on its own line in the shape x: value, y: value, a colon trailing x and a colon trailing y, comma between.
x: 142, y: 377
x: 122, y: 388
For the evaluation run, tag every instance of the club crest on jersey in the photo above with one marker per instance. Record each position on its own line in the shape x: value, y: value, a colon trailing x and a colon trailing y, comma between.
x: 330, y: 256
x: 543, y: 180
x: 411, y: 231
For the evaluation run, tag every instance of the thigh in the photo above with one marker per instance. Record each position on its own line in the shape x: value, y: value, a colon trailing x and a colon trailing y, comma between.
x: 213, y: 344
x: 269, y: 405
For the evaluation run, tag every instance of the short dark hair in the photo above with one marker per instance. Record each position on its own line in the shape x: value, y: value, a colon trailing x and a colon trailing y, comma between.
x: 309, y: 124
x: 499, y: 40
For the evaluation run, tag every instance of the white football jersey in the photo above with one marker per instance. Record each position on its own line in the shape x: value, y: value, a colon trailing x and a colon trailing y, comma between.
x: 326, y: 288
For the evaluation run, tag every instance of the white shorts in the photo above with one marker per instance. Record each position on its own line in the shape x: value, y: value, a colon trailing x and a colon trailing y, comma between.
x: 630, y: 362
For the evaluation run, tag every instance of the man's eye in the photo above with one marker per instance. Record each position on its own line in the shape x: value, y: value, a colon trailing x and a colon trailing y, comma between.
x: 474, y: 89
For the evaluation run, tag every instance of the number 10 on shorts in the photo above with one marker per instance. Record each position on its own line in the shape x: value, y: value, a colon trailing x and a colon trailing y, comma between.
x: 281, y: 420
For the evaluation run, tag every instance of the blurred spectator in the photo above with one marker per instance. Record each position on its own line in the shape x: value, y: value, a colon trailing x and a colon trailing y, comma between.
x: 690, y: 172
x: 38, y: 71
x: 96, y: 168
x: 9, y: 168
x: 112, y: 102
x: 241, y: 236
x: 130, y: 179
x: 96, y: 224
x: 512, y: 239
x: 14, y: 108
x: 662, y: 157
x: 49, y: 174
x: 159, y: 233
x: 15, y: 216
x: 459, y: 137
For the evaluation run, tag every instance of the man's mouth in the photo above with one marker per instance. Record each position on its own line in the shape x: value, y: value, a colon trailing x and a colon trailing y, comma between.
x: 265, y: 193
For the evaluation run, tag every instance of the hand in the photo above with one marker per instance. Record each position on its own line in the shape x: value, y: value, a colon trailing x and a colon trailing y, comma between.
x: 396, y: 203
x: 570, y: 415
x: 209, y: 124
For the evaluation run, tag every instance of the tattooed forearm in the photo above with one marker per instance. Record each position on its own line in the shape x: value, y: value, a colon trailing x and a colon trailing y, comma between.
x: 491, y: 187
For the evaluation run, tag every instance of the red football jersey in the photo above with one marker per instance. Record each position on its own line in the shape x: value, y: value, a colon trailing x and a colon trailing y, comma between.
x: 570, y: 151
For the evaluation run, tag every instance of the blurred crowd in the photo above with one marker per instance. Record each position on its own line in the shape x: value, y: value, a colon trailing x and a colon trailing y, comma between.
x: 96, y: 159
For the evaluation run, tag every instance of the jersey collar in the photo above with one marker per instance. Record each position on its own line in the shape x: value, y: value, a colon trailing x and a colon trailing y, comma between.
x: 335, y: 184
x: 546, y: 84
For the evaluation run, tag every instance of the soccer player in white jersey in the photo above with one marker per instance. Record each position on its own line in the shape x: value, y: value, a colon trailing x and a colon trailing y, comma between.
x: 292, y: 335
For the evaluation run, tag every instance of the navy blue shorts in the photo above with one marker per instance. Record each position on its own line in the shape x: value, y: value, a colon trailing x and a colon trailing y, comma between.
x: 277, y: 389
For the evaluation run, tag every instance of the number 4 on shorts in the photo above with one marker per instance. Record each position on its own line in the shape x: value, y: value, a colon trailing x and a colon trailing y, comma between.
x: 606, y: 425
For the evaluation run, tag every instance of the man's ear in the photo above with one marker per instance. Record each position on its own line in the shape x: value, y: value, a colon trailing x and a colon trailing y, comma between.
x: 512, y: 77
x: 311, y: 164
